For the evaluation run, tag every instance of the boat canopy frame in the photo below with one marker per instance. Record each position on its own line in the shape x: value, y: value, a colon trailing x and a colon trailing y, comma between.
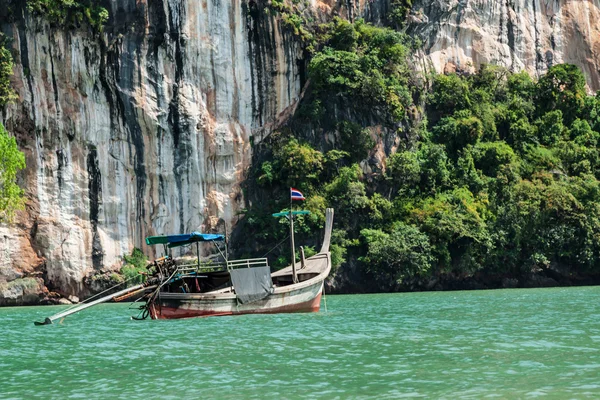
x: 171, y: 241
x: 184, y: 239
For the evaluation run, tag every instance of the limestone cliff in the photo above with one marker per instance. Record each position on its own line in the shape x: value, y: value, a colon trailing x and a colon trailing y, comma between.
x: 529, y: 35
x: 143, y: 129
x: 147, y: 127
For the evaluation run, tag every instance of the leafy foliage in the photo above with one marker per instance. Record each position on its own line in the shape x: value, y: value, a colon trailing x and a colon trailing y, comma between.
x: 7, y: 94
x: 391, y: 258
x: 298, y: 164
x: 450, y: 92
x: 399, y: 11
x: 366, y: 62
x: 562, y: 88
x: 496, y: 174
x: 135, y: 268
x: 355, y: 140
x: 12, y: 160
x: 70, y: 13
x: 294, y: 20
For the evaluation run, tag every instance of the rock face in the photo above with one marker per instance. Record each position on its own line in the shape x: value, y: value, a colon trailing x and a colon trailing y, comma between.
x: 529, y: 35
x: 146, y: 128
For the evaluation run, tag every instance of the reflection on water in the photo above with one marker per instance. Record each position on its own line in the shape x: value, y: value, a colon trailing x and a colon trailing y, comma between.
x: 480, y: 344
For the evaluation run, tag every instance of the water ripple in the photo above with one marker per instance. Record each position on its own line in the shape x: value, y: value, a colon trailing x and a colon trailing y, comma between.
x: 453, y: 345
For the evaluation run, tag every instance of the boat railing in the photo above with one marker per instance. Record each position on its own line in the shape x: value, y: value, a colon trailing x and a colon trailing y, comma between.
x: 248, y: 263
x: 202, y: 268
x: 191, y: 268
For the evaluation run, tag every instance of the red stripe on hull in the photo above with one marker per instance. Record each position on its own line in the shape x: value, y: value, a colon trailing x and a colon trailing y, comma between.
x: 158, y: 312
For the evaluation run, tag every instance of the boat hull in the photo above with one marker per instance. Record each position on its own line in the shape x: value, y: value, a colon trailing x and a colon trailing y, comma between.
x: 290, y: 300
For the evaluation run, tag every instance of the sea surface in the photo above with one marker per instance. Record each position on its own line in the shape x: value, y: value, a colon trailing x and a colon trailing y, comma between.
x: 505, y: 344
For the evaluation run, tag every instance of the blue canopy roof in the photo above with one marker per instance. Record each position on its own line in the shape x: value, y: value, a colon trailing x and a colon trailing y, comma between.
x: 182, y: 240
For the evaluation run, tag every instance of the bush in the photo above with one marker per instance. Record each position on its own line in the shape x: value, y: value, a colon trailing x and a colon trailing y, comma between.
x: 70, y: 13
x: 12, y: 160
x: 135, y: 269
x: 366, y: 61
x: 7, y: 93
x: 392, y: 258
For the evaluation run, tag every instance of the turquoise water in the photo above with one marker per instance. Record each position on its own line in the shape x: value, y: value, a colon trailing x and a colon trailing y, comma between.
x: 480, y: 344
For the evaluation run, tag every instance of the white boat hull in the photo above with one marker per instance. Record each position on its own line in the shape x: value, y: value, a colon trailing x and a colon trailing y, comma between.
x: 293, y: 298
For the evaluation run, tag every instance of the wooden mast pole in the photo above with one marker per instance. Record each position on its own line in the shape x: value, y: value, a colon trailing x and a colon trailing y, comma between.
x: 294, y: 276
x: 226, y: 243
x: 198, y: 255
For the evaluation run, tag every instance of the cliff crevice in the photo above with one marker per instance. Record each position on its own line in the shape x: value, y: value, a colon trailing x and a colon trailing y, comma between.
x: 142, y: 129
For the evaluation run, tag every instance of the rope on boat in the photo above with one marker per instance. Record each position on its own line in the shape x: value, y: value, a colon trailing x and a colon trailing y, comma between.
x: 276, y: 246
x: 135, y: 301
x: 146, y: 307
x: 143, y: 314
x: 222, y: 255
x: 98, y: 294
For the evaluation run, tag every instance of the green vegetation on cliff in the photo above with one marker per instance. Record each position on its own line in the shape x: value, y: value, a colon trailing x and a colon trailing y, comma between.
x: 489, y: 173
x: 12, y: 160
x: 135, y: 267
x: 7, y: 94
x: 70, y: 13
x: 292, y: 18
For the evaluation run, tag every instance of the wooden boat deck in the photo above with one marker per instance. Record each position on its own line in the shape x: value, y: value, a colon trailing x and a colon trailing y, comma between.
x: 313, y: 265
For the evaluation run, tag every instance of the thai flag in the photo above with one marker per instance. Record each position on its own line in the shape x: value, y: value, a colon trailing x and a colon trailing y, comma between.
x: 296, y: 195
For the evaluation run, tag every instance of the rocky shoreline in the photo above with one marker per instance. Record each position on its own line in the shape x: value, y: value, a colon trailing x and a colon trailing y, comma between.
x: 479, y: 281
x: 31, y: 291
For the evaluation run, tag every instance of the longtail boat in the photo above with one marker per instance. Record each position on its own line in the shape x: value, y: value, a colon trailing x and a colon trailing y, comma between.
x: 178, y: 288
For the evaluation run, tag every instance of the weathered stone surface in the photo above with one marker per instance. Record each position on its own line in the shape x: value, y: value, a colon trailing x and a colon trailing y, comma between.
x: 73, y: 299
x: 21, y: 291
x: 144, y: 129
x: 529, y: 35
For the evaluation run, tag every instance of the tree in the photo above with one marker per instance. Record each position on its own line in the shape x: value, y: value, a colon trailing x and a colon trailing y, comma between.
x: 298, y: 164
x: 347, y: 194
x: 399, y: 10
x: 456, y: 225
x: 490, y: 157
x: 581, y: 133
x: 362, y: 61
x: 521, y: 85
x: 6, y: 69
x: 404, y: 170
x: 450, y: 93
x: 11, y: 161
x: 562, y: 88
x: 458, y: 131
x: 521, y: 134
x: 577, y: 159
x: 336, y: 71
x: 435, y: 174
x: 342, y: 35
x: 394, y: 257
x: 355, y: 140
x: 550, y: 128
x: 554, y: 221
x: 592, y: 111
x: 135, y: 267
x: 70, y: 13
x: 490, y: 79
